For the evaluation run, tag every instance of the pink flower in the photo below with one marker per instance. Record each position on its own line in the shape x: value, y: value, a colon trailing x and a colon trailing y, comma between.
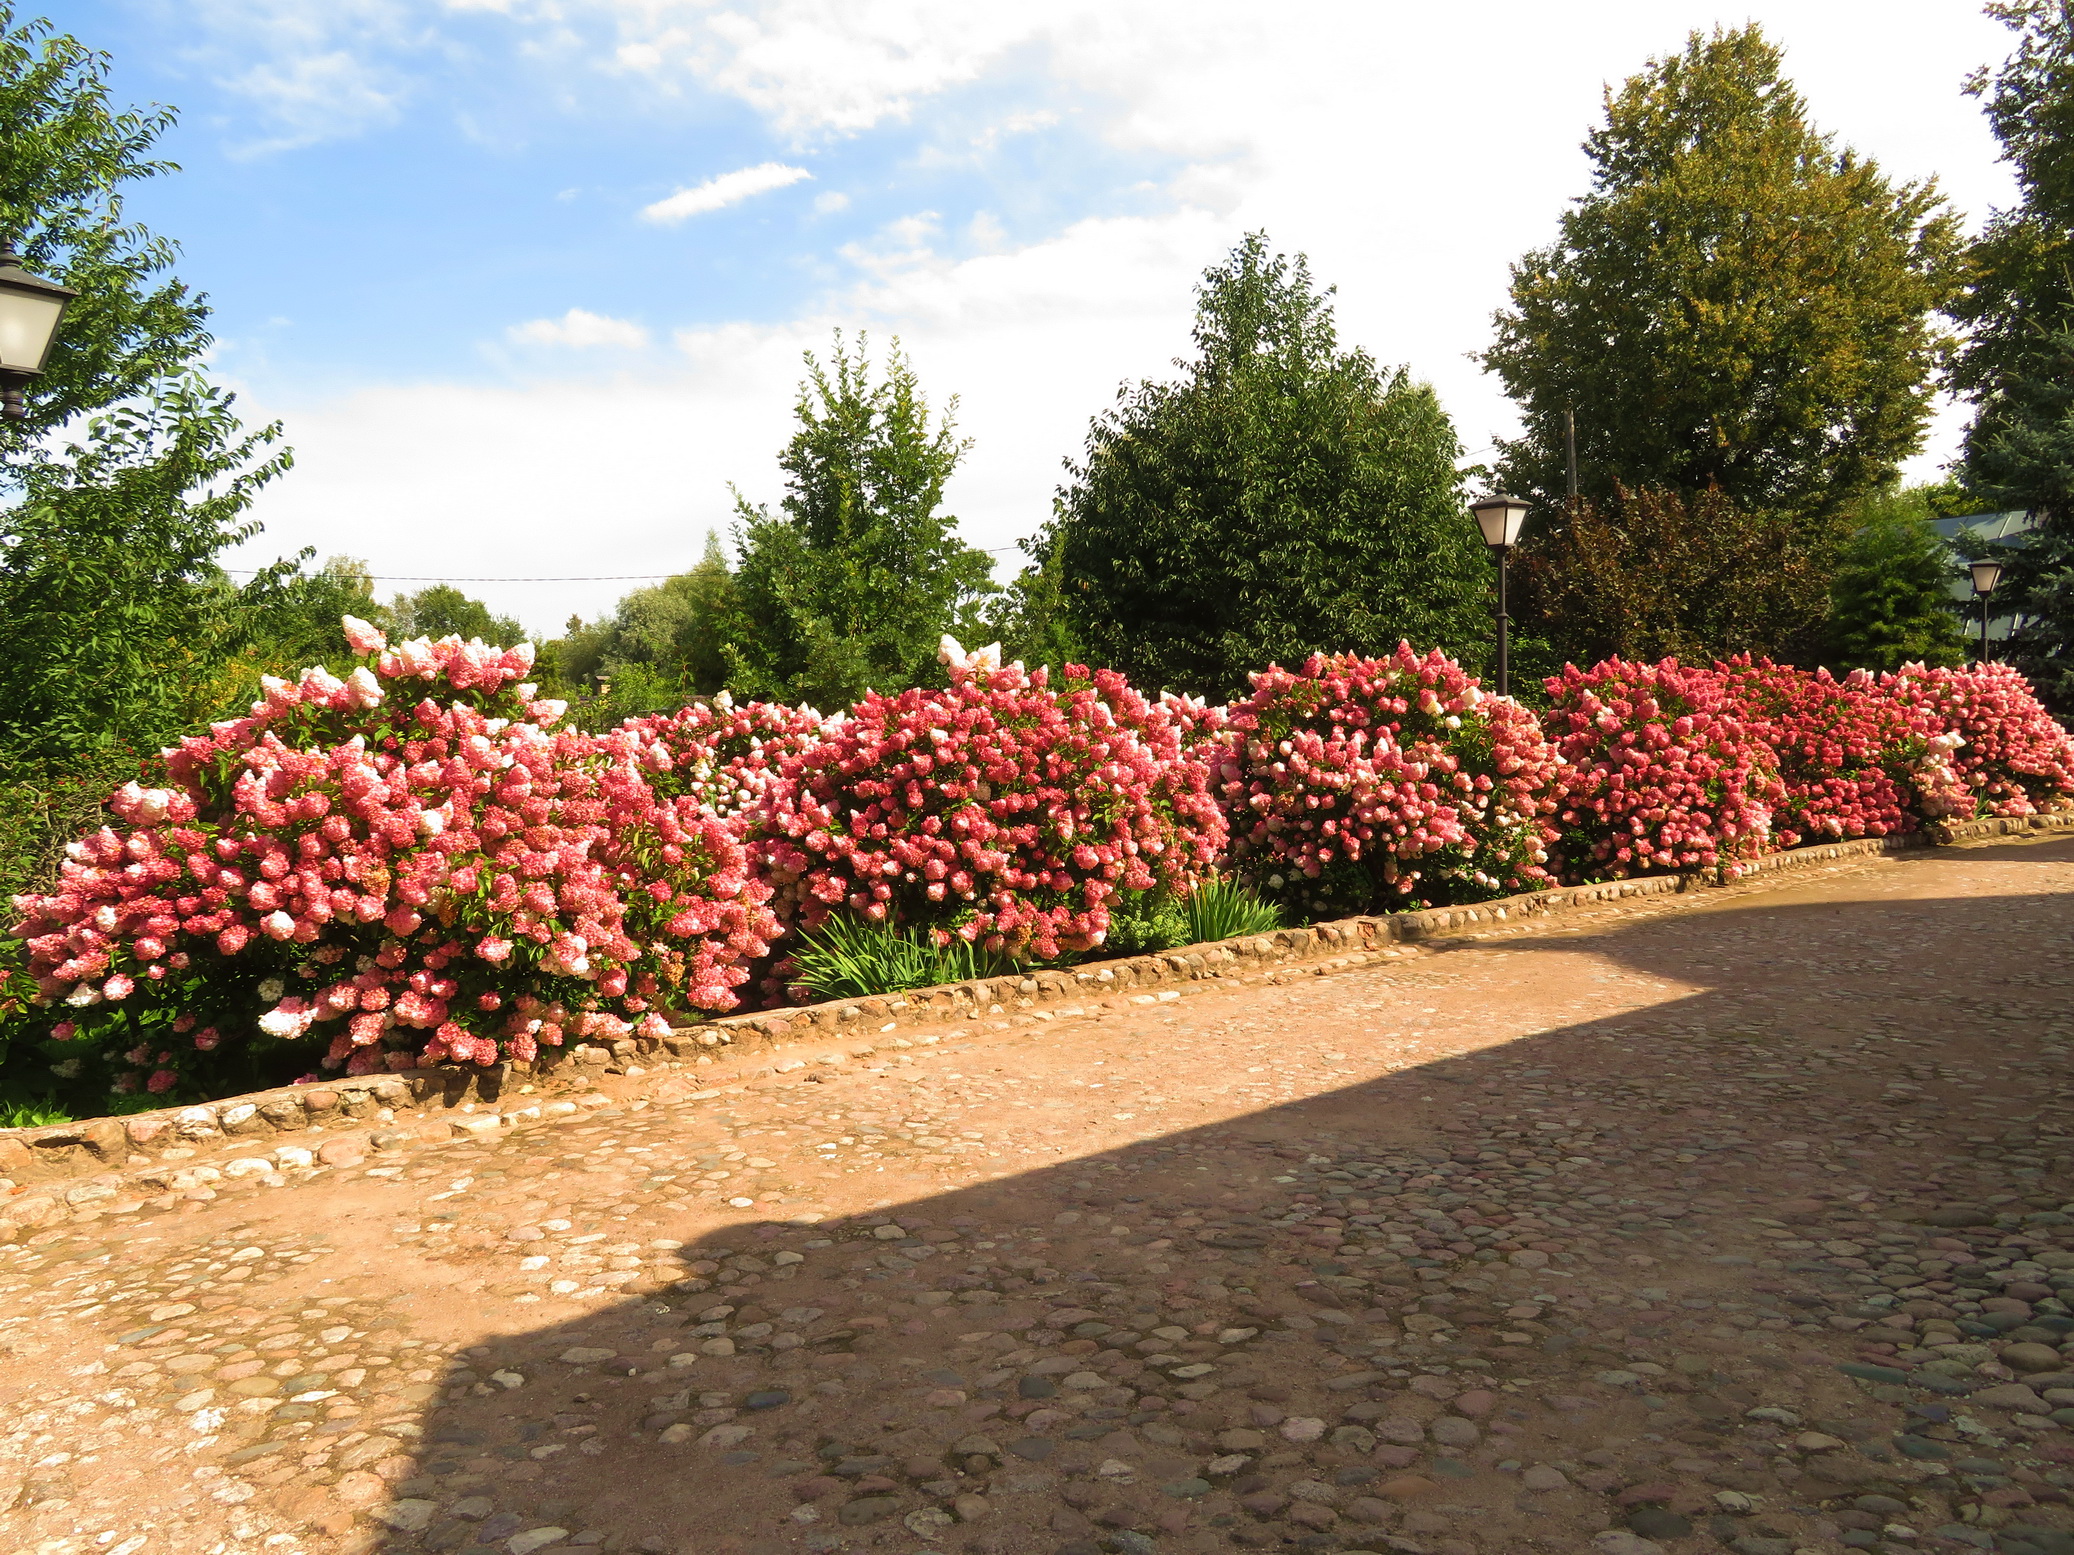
x: 161, y: 1081
x: 362, y: 637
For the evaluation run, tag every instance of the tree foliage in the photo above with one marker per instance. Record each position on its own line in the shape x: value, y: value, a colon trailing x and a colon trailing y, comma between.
x: 441, y: 610
x: 670, y: 638
x: 2018, y: 363
x: 1283, y: 497
x: 117, y: 618
x: 1736, y: 304
x: 1890, y: 601
x: 1652, y: 575
x: 66, y: 154
x: 851, y: 584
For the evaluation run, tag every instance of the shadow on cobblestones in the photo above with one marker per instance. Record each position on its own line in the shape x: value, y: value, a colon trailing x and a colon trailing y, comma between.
x: 1594, y: 1276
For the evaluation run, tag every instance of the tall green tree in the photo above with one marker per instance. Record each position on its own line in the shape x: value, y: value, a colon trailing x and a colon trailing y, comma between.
x: 2018, y: 361
x: 1736, y: 304
x: 126, y: 483
x: 1890, y: 602
x: 1283, y: 496
x: 860, y: 572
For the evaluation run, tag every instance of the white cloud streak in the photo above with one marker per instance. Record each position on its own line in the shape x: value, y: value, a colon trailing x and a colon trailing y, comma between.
x: 581, y: 329
x: 719, y: 193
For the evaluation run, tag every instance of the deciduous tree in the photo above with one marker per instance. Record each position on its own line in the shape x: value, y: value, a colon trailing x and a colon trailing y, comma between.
x: 1736, y: 304
x: 853, y: 581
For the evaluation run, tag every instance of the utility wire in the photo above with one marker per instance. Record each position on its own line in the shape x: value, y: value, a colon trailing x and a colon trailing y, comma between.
x: 621, y: 577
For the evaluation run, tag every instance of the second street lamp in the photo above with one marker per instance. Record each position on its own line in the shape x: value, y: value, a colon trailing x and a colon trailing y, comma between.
x: 1499, y: 518
x: 1987, y: 572
x: 30, y: 308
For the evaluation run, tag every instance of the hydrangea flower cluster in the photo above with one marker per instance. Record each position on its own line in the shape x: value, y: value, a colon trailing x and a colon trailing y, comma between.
x: 409, y: 863
x: 725, y: 758
x: 1852, y: 761
x: 1356, y: 780
x: 1005, y: 809
x: 2013, y: 759
x: 1660, y: 771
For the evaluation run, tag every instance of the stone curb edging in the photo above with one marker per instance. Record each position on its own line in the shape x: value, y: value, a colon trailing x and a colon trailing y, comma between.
x: 338, y: 1123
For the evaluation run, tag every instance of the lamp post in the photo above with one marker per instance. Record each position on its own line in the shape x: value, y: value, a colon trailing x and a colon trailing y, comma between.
x: 1499, y: 518
x: 30, y: 308
x: 1986, y: 574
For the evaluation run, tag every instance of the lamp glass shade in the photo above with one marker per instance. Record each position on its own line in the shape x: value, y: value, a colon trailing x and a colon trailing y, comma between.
x: 28, y: 324
x: 30, y: 308
x: 1500, y: 519
x: 1986, y: 574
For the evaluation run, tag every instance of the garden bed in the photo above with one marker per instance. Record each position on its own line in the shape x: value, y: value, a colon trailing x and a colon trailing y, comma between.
x: 95, y: 1167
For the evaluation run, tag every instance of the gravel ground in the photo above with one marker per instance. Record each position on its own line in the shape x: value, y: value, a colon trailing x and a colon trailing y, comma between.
x: 1731, y: 1221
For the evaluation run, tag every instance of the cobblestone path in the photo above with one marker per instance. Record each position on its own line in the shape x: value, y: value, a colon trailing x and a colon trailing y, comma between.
x: 1730, y: 1224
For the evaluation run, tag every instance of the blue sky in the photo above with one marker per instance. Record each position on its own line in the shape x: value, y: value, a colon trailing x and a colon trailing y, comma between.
x: 422, y: 223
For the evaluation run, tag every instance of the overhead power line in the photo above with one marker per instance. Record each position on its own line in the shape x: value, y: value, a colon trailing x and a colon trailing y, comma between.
x: 618, y: 577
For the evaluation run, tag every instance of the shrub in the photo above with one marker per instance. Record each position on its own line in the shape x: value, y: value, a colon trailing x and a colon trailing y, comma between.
x: 1013, y: 813
x: 415, y: 881
x: 2015, y: 759
x: 1356, y: 781
x: 1660, y: 772
x: 1852, y: 761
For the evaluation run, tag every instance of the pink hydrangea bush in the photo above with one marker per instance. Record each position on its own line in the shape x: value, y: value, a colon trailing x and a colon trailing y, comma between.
x: 1357, y: 782
x: 1852, y: 761
x: 2012, y: 757
x: 404, y: 866
x: 1018, y: 814
x: 1660, y: 772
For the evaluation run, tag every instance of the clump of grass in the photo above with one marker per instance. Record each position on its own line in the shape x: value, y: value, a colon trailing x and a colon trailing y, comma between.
x: 32, y: 1114
x: 1223, y: 909
x: 847, y: 958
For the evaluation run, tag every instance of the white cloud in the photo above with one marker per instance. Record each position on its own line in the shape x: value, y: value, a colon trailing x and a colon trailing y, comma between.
x: 832, y: 201
x: 816, y: 66
x: 311, y: 73
x: 579, y: 328
x: 728, y: 189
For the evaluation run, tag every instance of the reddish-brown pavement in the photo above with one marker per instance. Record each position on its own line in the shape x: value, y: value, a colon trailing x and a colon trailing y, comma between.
x: 1549, y: 1241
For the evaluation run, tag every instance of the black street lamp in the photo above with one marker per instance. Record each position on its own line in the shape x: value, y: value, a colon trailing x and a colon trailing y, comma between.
x: 1986, y: 574
x: 30, y: 308
x: 1500, y: 518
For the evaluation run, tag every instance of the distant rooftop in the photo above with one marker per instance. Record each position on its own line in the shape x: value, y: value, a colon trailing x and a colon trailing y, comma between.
x: 2005, y: 528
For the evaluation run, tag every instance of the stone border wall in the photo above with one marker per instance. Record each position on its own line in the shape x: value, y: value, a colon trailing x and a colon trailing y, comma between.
x: 86, y: 1169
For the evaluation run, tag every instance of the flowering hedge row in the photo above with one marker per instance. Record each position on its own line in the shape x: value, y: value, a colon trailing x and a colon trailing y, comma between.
x: 415, y: 863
